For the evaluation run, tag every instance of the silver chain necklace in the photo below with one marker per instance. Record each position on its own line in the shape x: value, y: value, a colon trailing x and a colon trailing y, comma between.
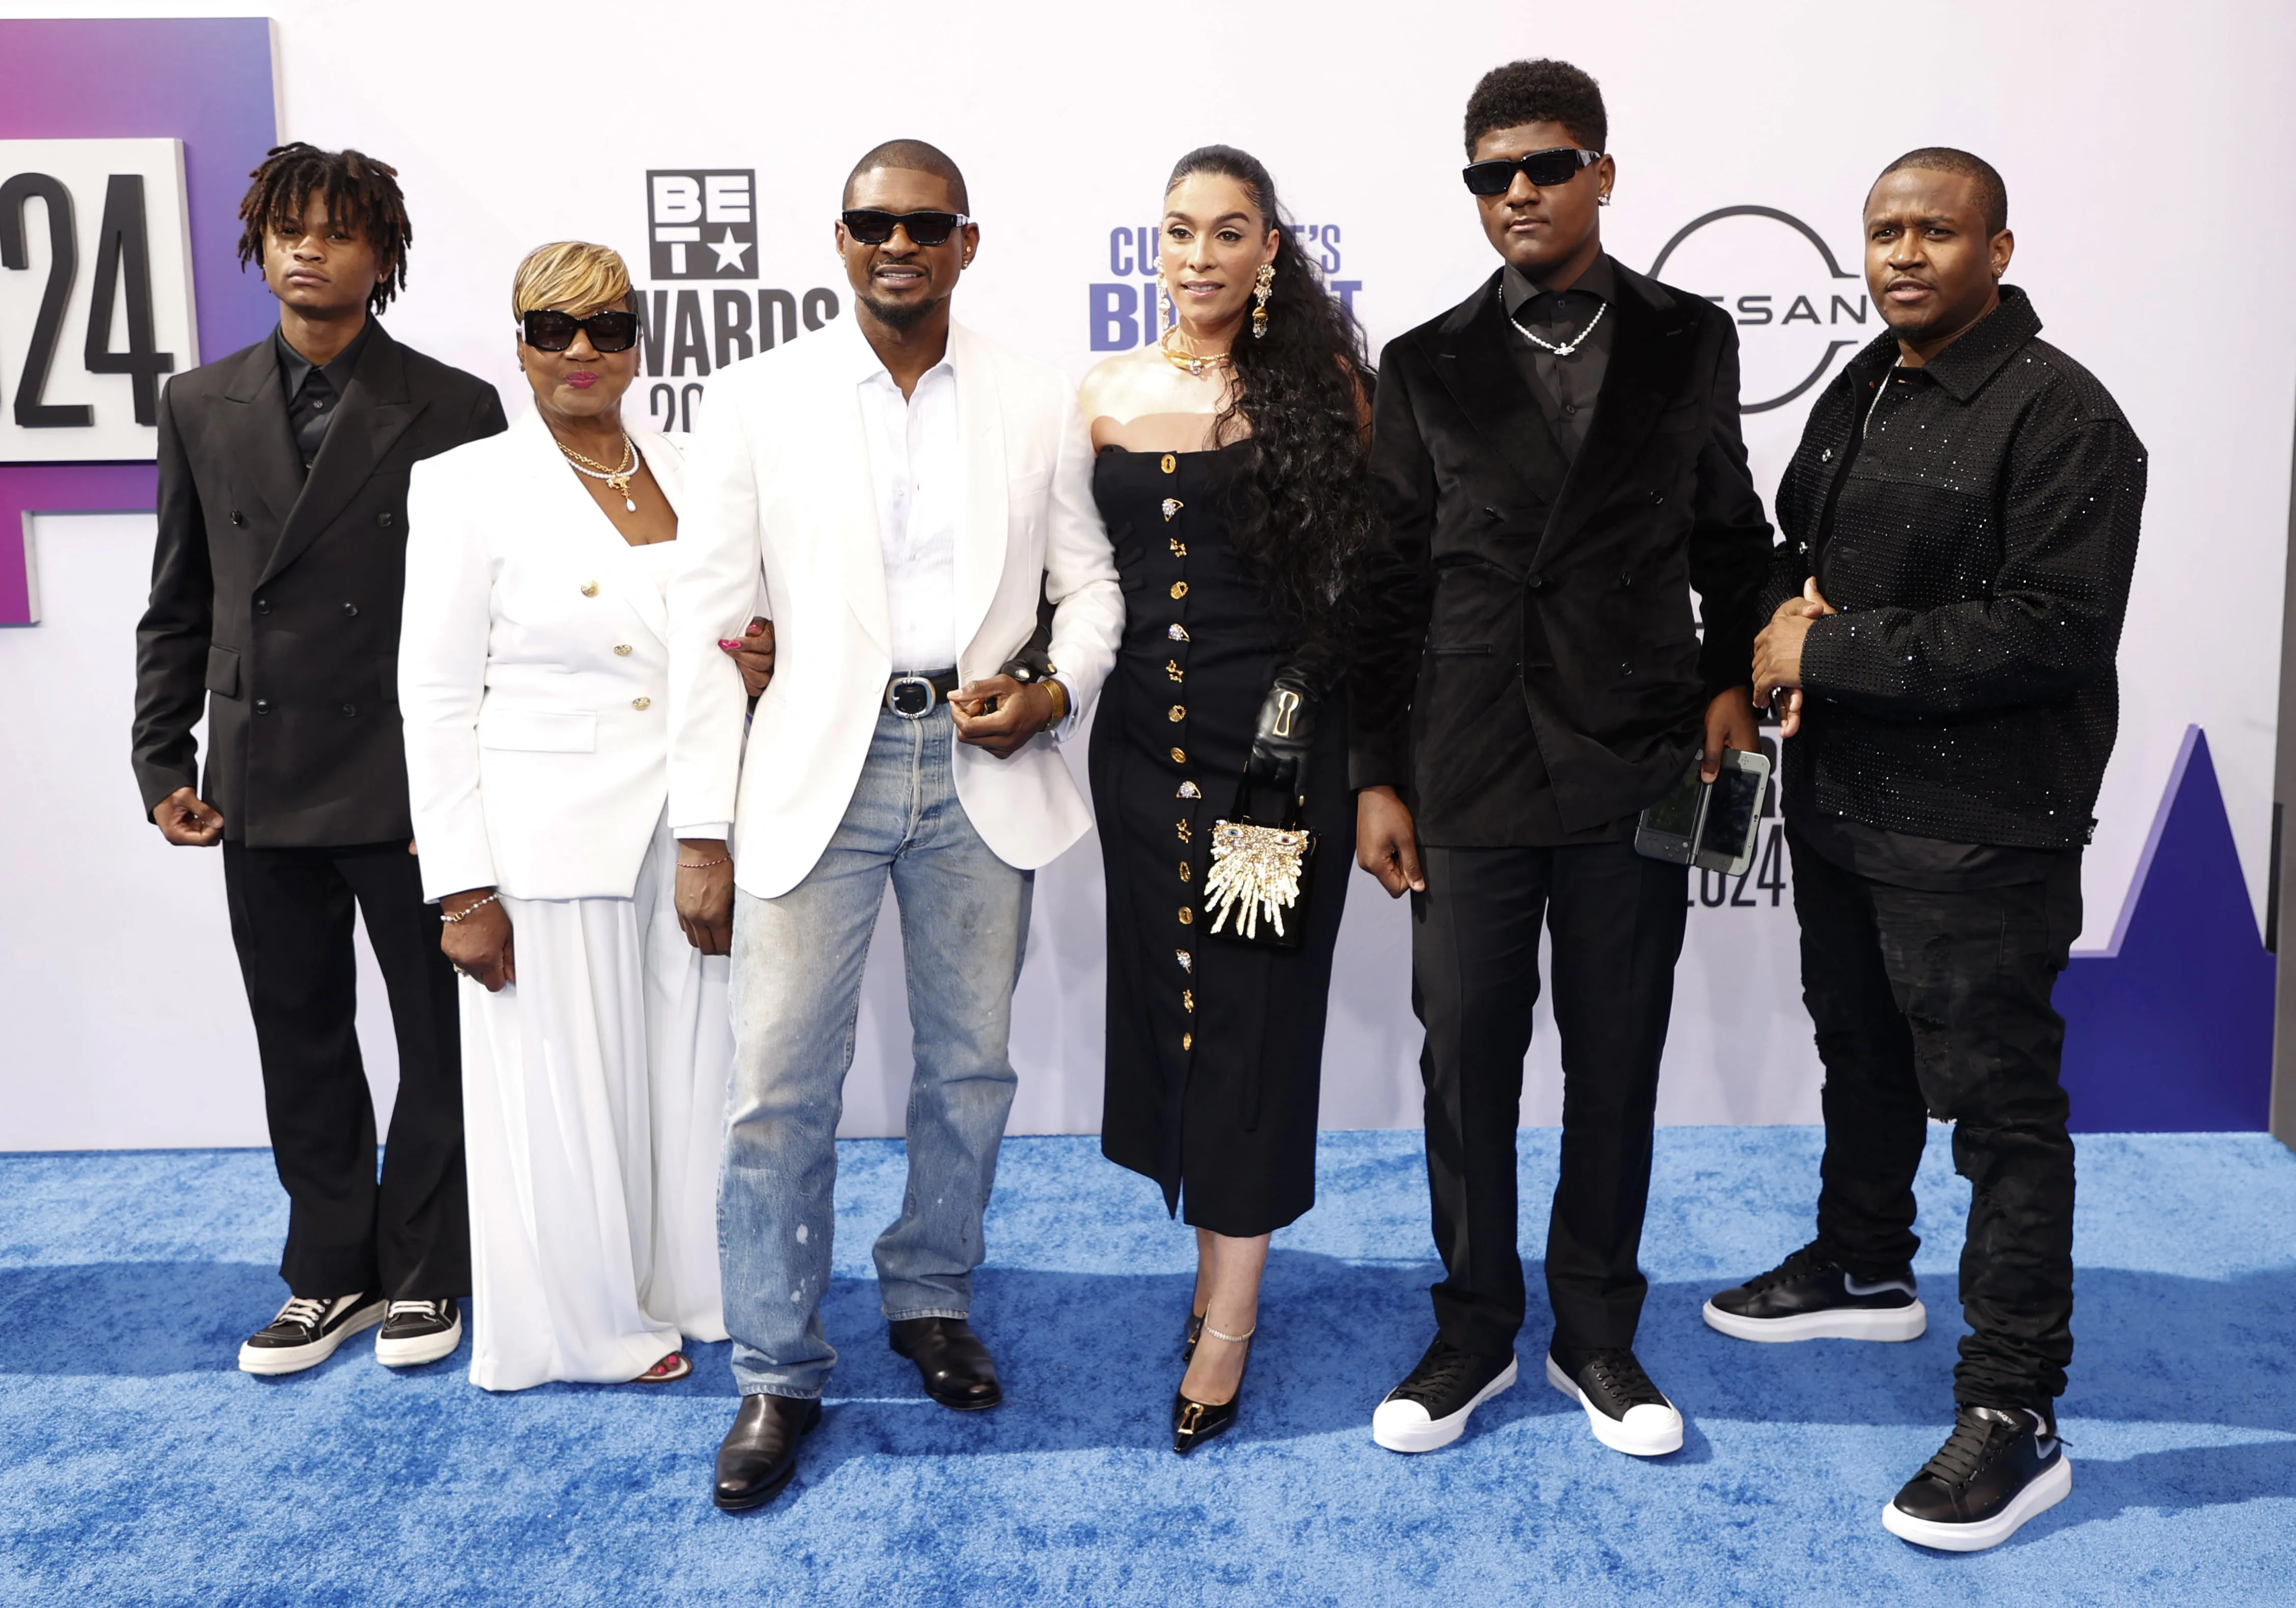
x: 1575, y: 342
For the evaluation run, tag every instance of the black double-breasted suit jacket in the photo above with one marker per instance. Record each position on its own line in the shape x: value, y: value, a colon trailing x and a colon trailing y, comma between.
x: 278, y: 593
x: 1527, y: 651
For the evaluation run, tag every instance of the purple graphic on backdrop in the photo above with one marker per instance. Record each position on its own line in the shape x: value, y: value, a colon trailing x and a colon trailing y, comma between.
x: 205, y: 81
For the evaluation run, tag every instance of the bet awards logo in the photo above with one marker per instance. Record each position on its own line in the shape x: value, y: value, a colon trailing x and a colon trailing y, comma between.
x: 704, y: 225
x: 701, y: 224
x: 1798, y: 309
x: 1124, y: 312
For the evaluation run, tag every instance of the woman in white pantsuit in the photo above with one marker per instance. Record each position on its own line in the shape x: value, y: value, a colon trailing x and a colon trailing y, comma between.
x: 533, y: 678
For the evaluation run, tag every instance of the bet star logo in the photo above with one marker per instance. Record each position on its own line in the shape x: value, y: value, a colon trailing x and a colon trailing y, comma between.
x: 703, y: 223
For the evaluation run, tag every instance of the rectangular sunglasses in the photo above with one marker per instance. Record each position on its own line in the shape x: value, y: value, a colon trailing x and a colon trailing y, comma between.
x: 1544, y: 169
x: 871, y: 227
x: 549, y: 331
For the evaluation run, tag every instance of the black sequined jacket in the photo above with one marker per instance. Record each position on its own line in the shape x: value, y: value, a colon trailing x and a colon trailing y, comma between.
x: 1977, y: 537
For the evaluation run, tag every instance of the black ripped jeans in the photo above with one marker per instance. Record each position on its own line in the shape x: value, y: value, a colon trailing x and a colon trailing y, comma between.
x: 1937, y: 1005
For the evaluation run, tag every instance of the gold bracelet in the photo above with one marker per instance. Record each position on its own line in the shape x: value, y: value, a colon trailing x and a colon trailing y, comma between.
x: 705, y: 865
x: 1060, y: 692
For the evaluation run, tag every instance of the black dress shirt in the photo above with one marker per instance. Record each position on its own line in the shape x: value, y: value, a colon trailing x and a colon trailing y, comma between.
x: 1978, y: 538
x: 313, y: 393
x: 1565, y: 386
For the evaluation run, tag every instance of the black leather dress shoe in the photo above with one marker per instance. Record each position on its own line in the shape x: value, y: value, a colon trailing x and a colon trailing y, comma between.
x: 951, y: 1361
x: 758, y: 1454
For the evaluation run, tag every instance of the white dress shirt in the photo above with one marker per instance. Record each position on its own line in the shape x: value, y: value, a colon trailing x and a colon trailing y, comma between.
x: 917, y: 464
x: 787, y: 509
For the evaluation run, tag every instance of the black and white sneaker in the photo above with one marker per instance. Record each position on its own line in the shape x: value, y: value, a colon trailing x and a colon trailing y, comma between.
x: 1430, y: 1408
x: 416, y: 1332
x: 1998, y: 1468
x: 1626, y: 1412
x: 1809, y: 1296
x: 307, y: 1331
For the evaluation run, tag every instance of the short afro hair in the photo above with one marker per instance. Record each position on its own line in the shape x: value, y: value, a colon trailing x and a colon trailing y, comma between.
x: 1538, y: 92
x: 1992, y: 194
x: 917, y: 157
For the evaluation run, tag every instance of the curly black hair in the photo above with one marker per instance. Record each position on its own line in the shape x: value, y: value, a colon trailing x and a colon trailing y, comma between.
x: 354, y: 186
x: 1305, y: 519
x: 1543, y: 91
x: 1992, y: 193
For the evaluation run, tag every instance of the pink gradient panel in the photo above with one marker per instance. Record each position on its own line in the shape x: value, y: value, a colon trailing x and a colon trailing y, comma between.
x: 205, y: 81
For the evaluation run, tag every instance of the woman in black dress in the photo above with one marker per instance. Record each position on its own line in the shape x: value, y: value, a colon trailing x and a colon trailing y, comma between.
x: 1231, y: 473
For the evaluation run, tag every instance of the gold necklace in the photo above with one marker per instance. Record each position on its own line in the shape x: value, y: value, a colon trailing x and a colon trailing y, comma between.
x: 618, y: 480
x: 1189, y: 362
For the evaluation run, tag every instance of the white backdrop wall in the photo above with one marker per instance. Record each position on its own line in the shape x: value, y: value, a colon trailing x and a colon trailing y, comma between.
x: 2148, y: 162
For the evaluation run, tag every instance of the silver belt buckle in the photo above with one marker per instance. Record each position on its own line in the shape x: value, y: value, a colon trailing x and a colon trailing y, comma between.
x: 899, y: 698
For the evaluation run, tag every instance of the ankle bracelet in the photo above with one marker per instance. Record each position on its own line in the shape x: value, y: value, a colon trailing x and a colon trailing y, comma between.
x: 1233, y: 1340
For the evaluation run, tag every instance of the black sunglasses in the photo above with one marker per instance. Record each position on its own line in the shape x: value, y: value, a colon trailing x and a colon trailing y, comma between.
x: 871, y: 227
x: 547, y: 331
x: 1544, y: 169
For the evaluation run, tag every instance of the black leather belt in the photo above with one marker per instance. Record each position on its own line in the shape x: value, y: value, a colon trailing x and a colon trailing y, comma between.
x: 912, y: 697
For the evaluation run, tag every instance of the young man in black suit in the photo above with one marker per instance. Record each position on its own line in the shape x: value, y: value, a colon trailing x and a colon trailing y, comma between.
x: 1559, y: 462
x: 275, y: 590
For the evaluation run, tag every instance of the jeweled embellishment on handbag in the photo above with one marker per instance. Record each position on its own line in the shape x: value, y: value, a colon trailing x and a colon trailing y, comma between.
x: 1254, y: 875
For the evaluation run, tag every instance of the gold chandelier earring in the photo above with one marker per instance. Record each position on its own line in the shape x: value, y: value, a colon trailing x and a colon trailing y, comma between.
x: 1261, y: 285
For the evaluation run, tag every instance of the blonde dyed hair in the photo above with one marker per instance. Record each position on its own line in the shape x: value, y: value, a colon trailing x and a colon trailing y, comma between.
x: 570, y: 274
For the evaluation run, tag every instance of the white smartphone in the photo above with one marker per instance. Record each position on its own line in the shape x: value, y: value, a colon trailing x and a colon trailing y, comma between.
x: 1712, y: 826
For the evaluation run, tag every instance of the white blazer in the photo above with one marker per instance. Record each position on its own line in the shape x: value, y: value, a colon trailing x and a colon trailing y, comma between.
x: 780, y: 488
x: 533, y: 673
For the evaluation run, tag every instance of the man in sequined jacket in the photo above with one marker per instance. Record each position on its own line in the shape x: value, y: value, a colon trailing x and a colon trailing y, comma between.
x: 1961, y: 524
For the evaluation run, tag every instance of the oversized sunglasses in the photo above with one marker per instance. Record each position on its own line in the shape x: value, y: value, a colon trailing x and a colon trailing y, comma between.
x: 547, y: 331
x: 871, y: 227
x: 1544, y: 169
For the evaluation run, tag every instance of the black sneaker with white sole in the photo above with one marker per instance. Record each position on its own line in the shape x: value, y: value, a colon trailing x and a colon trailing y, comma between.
x: 1430, y: 1408
x: 1809, y: 1296
x: 416, y: 1332
x: 307, y: 1331
x: 1626, y: 1412
x: 1998, y: 1468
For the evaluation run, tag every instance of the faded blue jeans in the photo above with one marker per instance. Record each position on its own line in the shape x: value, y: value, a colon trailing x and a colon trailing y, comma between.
x: 797, y: 996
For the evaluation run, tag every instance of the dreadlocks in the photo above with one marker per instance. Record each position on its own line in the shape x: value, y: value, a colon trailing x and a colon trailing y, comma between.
x: 357, y: 188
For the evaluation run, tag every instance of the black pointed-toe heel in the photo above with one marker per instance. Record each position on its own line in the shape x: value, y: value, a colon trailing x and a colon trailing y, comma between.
x: 1193, y: 1422
x: 1195, y: 1333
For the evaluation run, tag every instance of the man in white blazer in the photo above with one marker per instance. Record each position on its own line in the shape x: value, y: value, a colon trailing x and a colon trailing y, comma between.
x: 903, y: 492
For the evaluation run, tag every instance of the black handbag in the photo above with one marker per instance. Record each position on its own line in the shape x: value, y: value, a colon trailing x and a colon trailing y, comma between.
x: 1256, y: 890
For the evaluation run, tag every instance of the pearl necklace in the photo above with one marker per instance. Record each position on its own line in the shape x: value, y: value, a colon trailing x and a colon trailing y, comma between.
x: 1575, y: 342
x: 618, y: 480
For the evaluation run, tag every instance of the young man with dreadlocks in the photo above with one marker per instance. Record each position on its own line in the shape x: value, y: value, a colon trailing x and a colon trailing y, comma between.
x: 275, y: 611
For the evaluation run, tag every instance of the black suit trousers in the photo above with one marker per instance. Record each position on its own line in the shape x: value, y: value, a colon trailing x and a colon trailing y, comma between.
x: 1617, y: 919
x: 1937, y: 1003
x: 407, y: 1235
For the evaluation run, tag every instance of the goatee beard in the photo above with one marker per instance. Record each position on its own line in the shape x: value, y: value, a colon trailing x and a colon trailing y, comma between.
x: 902, y: 315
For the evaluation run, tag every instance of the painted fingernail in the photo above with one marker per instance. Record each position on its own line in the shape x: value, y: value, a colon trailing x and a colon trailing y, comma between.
x: 729, y: 643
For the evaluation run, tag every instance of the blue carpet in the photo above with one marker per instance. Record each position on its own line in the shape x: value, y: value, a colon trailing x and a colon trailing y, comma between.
x: 137, y: 1466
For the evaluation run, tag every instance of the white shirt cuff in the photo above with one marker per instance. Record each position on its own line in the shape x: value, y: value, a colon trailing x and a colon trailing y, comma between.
x: 719, y: 830
x: 1066, y: 729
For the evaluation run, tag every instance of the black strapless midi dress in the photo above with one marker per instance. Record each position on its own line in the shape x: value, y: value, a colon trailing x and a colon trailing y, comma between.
x: 1214, y: 1049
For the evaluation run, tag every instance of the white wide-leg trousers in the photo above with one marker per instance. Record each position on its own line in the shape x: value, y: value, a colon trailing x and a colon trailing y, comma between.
x: 593, y: 1099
